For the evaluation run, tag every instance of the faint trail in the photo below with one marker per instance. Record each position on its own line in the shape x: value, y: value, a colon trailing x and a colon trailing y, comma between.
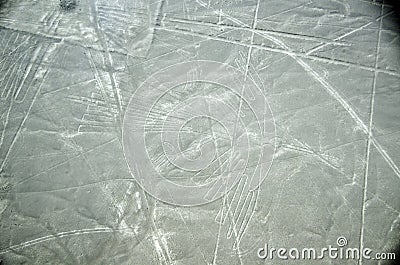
x: 40, y: 53
x: 237, y: 217
x: 287, y: 10
x: 128, y: 180
x: 159, y: 243
x: 86, y: 82
x: 5, y: 124
x: 108, y: 62
x: 258, y: 30
x: 203, y: 255
x: 104, y: 107
x: 367, y: 158
x: 328, y: 87
x: 319, y: 47
x: 23, y: 122
x: 220, y: 222
x: 64, y: 162
x: 311, y: 152
x: 160, y: 246
x: 57, y: 236
x: 323, y: 82
x: 352, y: 113
x: 308, y: 150
x: 281, y: 50
x: 241, y: 215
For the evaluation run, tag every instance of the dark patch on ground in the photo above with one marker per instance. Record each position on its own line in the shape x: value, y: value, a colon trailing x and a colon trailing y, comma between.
x: 394, y: 3
x: 396, y: 251
x: 396, y: 7
x: 3, y: 4
x: 68, y: 5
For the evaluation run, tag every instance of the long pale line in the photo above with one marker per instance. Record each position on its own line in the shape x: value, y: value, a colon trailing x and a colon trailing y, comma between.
x: 371, y: 115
